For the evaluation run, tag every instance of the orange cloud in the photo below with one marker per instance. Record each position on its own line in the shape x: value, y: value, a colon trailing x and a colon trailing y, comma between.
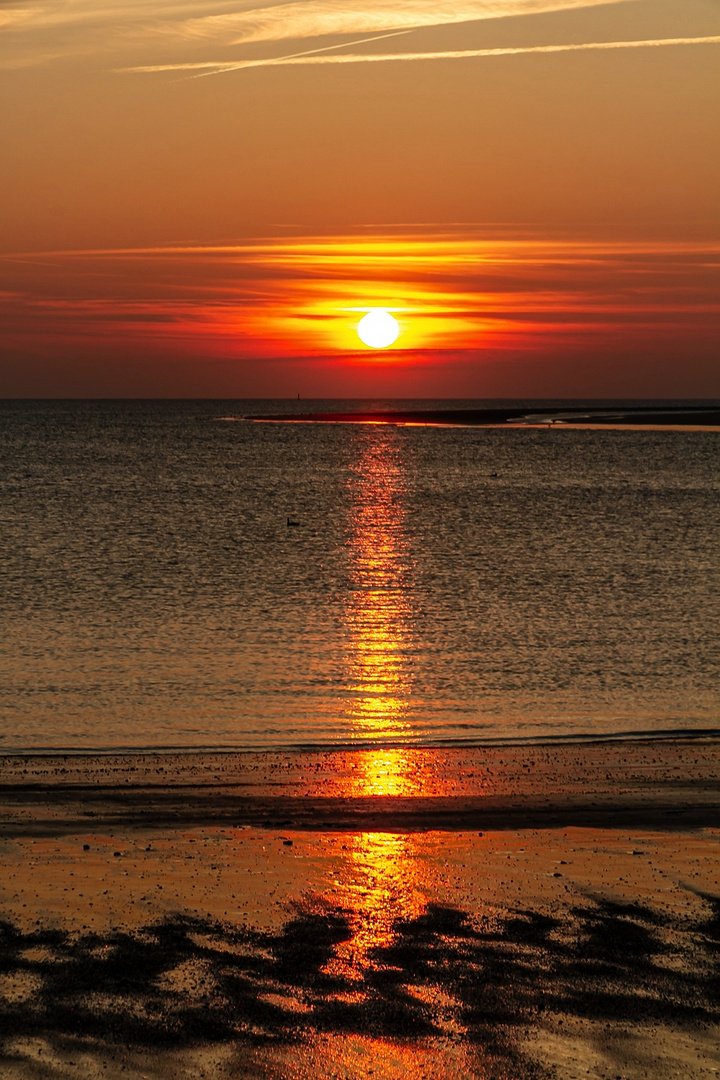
x: 450, y: 293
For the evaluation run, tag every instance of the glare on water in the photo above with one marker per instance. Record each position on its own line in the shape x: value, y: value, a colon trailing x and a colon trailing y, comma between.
x: 378, y: 613
x: 441, y: 585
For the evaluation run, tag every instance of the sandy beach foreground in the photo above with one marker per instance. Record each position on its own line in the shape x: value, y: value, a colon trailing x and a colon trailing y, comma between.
x: 528, y: 911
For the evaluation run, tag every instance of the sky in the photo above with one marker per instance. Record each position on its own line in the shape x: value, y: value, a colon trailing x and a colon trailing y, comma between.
x: 204, y: 199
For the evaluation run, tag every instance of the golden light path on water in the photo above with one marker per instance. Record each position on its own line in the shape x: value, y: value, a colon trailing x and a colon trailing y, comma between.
x: 382, y: 880
x: 379, y: 881
x: 378, y: 615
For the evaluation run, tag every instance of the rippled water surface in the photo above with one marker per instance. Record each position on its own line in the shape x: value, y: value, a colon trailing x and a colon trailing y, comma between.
x: 440, y: 583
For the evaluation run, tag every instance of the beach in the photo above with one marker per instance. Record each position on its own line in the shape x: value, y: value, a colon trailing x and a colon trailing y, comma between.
x: 504, y: 911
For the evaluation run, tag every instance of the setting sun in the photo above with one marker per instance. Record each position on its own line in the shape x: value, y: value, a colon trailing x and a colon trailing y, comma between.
x: 378, y: 329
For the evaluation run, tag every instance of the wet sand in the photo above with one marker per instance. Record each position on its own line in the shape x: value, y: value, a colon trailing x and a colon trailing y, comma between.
x: 492, y: 912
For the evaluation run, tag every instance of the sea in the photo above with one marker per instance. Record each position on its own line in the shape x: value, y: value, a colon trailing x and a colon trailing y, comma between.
x: 174, y: 575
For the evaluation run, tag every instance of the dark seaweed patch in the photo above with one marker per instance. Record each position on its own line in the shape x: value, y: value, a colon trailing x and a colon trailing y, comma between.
x: 185, y: 981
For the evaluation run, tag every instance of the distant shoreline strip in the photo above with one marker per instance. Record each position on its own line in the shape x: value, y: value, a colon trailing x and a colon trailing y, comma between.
x: 345, y: 747
x: 640, y: 416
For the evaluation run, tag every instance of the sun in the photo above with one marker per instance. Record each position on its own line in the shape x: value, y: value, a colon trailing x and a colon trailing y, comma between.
x: 378, y: 329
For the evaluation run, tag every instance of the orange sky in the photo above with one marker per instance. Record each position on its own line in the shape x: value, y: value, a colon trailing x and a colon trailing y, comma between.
x: 204, y: 199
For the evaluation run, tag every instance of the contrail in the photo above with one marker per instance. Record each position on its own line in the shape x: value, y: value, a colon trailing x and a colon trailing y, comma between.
x: 221, y: 68
x: 462, y: 54
x: 311, y: 56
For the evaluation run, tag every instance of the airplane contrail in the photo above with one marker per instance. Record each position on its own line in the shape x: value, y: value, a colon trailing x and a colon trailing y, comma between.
x: 312, y: 57
x: 233, y: 65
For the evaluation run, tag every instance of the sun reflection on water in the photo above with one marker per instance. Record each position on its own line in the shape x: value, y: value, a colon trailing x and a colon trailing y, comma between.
x: 379, y: 880
x: 386, y: 772
x: 378, y: 611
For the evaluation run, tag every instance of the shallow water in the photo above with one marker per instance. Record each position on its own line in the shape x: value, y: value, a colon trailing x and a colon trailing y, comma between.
x: 441, y: 584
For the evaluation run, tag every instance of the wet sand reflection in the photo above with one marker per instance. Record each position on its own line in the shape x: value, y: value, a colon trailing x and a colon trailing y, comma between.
x: 378, y: 884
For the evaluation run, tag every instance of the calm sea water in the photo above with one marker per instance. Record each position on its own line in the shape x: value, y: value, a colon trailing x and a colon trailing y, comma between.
x: 441, y: 584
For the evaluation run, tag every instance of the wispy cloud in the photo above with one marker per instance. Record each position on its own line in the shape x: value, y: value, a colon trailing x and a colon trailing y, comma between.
x: 304, y: 297
x: 313, y: 57
x: 248, y: 20
x: 41, y: 31
x: 317, y: 18
x: 41, y: 15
